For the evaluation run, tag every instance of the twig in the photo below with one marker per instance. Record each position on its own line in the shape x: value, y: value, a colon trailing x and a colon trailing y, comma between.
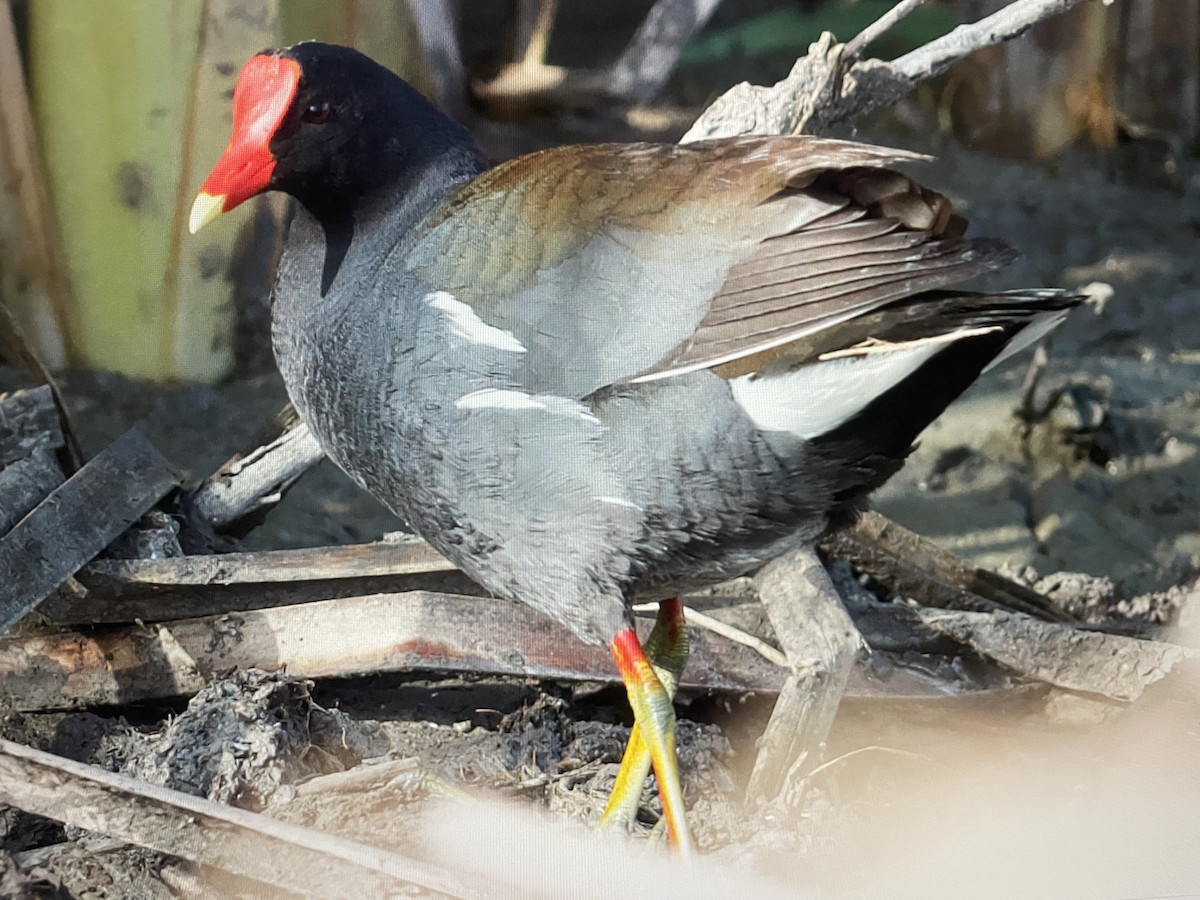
x: 208, y: 833
x: 872, y: 748
x: 821, y: 645
x: 242, y: 490
x: 861, y: 41
x: 727, y: 631
x: 823, y: 91
x: 1030, y: 410
x: 646, y: 63
x: 17, y: 350
x: 438, y: 37
x: 1012, y: 21
x: 78, y: 520
x: 914, y: 566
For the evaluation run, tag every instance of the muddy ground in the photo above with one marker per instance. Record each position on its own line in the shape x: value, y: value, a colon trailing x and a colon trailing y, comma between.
x: 1023, y: 792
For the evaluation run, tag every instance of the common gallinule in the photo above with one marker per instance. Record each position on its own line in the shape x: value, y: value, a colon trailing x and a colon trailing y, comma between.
x: 598, y: 371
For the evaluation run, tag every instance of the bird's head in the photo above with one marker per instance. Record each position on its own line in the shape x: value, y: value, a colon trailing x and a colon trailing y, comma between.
x: 325, y: 124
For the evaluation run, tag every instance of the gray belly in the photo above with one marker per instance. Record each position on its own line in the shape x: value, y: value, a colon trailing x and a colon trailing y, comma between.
x: 569, y: 507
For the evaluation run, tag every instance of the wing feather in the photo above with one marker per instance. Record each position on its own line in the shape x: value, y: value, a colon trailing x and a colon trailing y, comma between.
x: 616, y: 263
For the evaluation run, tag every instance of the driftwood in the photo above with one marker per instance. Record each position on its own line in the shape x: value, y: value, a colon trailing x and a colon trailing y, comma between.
x: 247, y: 486
x: 821, y: 644
x: 1110, y: 665
x: 912, y: 566
x: 827, y: 88
x: 201, y: 831
x: 421, y: 631
x: 78, y: 520
x: 417, y: 631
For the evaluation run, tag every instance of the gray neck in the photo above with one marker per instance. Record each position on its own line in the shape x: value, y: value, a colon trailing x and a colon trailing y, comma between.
x: 382, y: 222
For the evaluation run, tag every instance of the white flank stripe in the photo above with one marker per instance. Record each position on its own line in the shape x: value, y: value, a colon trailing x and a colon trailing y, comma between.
x: 620, y: 501
x: 494, y: 398
x: 467, y: 325
x: 815, y: 398
x: 872, y: 347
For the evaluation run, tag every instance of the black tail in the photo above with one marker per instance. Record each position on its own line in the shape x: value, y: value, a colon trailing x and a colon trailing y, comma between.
x: 871, y: 445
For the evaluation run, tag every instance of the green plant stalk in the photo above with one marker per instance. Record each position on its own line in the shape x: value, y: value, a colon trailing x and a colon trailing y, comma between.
x: 109, y: 84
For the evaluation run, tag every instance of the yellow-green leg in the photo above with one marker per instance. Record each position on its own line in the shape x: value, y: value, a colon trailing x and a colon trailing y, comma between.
x: 651, y: 677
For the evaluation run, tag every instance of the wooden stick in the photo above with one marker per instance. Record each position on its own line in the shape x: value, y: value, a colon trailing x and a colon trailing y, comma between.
x: 822, y: 644
x: 78, y: 520
x: 120, y: 591
x: 247, y: 486
x: 873, y: 32
x: 915, y: 567
x: 415, y: 631
x: 646, y: 63
x: 208, y: 833
x: 824, y: 90
x: 400, y: 557
x: 335, y: 638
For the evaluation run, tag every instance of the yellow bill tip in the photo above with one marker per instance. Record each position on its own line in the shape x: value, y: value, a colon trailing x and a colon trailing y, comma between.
x: 206, y: 208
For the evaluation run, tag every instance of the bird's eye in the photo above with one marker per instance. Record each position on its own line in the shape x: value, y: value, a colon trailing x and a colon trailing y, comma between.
x: 316, y: 113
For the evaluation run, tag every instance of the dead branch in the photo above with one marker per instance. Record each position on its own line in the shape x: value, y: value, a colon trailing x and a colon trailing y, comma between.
x: 120, y: 591
x: 78, y: 520
x: 913, y: 566
x: 335, y: 638
x: 825, y: 90
x: 438, y: 37
x: 414, y: 631
x: 647, y: 62
x: 1012, y: 21
x: 885, y: 23
x: 1110, y: 665
x: 821, y: 644
x: 405, y: 556
x: 204, y: 832
x: 246, y: 487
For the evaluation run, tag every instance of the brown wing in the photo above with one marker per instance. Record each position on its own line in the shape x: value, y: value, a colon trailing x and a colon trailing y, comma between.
x: 891, y: 238
x: 611, y: 263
